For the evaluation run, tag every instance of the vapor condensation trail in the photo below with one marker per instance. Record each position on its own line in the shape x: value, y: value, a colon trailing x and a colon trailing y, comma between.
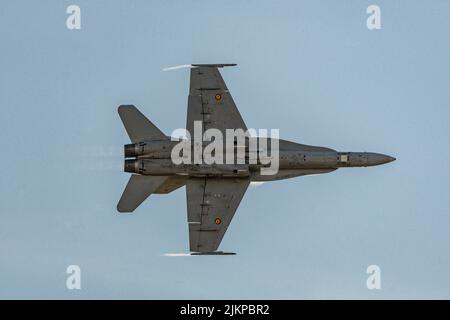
x: 177, y: 254
x: 183, y: 66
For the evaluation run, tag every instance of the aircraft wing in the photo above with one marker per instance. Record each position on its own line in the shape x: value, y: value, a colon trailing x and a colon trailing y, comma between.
x: 210, y: 101
x: 211, y: 205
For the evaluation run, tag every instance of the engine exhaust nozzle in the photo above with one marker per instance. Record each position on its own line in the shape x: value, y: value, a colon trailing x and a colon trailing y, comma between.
x: 130, y: 150
x: 131, y: 166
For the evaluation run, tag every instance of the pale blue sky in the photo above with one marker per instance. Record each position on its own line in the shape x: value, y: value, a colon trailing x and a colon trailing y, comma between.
x: 310, y: 68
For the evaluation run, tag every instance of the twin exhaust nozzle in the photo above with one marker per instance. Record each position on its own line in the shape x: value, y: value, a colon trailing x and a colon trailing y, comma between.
x: 130, y: 165
x: 130, y: 150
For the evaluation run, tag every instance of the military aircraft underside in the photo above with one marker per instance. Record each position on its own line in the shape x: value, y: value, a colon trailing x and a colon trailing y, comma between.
x: 215, y: 190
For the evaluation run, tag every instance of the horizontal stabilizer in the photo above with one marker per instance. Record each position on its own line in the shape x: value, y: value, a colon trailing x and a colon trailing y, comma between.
x: 138, y: 127
x: 172, y: 183
x: 137, y: 190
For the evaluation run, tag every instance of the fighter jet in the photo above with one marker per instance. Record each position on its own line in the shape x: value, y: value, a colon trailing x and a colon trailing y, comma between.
x: 214, y: 191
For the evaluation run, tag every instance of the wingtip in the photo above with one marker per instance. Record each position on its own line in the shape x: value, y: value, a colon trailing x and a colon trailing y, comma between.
x: 196, y: 65
x: 213, y: 253
x: 217, y: 65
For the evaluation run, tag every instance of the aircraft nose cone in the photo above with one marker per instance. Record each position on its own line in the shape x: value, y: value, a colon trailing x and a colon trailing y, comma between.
x: 375, y: 159
x: 390, y: 159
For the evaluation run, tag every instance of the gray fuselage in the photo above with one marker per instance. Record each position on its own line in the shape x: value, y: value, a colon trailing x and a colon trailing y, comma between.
x: 154, y: 158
